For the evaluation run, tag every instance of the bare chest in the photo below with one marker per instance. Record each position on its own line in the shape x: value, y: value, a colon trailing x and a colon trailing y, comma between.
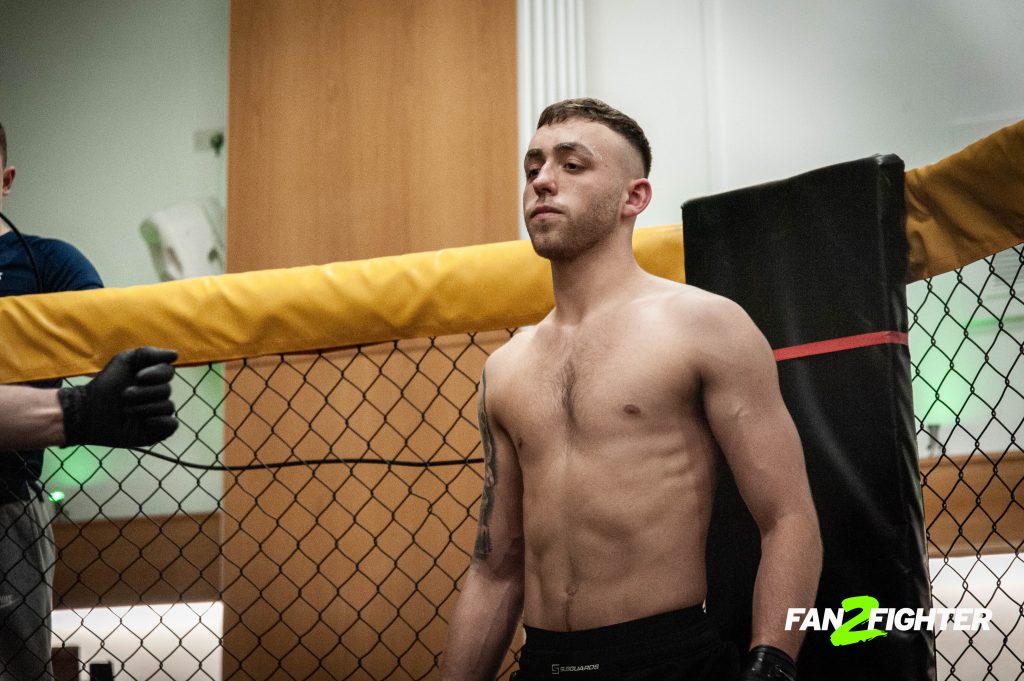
x: 596, y: 388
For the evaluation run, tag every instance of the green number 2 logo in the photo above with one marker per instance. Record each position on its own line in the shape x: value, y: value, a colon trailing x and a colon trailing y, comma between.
x: 844, y: 635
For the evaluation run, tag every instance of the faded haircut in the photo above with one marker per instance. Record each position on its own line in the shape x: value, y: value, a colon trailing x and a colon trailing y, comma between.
x: 3, y: 147
x: 595, y: 110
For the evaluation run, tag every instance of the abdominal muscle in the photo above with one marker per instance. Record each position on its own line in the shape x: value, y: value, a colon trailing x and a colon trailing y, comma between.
x: 614, y: 535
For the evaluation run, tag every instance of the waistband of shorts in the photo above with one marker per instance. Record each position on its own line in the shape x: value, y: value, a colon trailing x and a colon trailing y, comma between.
x: 687, y: 626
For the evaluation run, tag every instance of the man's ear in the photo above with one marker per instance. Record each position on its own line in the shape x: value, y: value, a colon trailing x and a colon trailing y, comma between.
x: 8, y: 179
x: 638, y: 196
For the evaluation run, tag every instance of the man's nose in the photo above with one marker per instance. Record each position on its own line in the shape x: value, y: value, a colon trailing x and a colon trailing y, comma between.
x: 544, y: 181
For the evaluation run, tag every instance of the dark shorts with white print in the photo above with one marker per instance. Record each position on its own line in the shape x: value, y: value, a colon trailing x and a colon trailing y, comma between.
x: 673, y: 646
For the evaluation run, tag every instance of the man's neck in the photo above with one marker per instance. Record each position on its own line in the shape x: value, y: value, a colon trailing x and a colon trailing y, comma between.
x: 592, y: 279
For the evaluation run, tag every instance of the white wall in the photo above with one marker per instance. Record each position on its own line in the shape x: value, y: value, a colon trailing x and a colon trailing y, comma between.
x: 166, y: 641
x: 996, y: 583
x: 647, y: 58
x: 737, y: 92
x: 804, y: 83
x: 100, y: 101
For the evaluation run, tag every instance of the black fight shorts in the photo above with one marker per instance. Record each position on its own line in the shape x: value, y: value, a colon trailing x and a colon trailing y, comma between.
x: 673, y: 646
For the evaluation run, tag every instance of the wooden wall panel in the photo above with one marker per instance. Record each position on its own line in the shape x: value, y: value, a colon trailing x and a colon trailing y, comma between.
x: 137, y: 560
x: 974, y: 503
x: 357, y: 129
x: 360, y: 128
x: 332, y: 571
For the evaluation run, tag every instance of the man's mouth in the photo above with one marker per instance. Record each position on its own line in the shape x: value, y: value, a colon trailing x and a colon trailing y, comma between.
x: 542, y: 210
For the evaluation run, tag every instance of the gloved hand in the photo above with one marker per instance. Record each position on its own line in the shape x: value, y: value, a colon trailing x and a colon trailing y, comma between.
x: 127, y: 404
x: 767, y: 663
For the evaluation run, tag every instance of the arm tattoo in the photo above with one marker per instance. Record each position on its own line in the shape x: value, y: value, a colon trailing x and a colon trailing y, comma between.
x: 483, y: 537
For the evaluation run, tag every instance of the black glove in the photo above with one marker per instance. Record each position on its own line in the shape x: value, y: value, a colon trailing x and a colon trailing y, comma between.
x: 127, y: 404
x: 767, y: 663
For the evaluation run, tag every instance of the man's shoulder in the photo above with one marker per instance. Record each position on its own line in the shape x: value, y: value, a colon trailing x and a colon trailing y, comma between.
x: 706, y: 324
x: 54, y: 248
x: 65, y: 267
x: 505, y: 357
x: 690, y: 304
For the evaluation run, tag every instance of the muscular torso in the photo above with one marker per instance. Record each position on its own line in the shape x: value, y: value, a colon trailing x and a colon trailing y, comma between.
x: 617, y: 461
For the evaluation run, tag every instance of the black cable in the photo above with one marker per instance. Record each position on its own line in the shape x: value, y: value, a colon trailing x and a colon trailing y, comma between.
x: 254, y: 466
x: 31, y: 257
x: 310, y: 462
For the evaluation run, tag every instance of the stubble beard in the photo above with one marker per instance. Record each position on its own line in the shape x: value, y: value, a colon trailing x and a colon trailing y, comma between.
x: 579, y: 233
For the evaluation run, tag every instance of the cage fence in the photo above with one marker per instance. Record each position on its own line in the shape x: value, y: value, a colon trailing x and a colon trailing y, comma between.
x: 966, y: 343
x: 325, y: 501
x: 315, y: 512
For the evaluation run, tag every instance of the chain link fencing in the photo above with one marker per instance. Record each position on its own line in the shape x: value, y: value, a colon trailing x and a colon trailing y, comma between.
x: 315, y: 512
x: 966, y: 344
x: 327, y: 500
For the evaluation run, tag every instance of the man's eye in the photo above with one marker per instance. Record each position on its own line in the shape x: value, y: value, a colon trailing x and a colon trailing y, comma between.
x: 573, y: 166
x: 531, y: 173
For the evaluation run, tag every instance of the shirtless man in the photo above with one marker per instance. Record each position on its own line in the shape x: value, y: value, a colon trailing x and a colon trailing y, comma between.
x: 602, y: 429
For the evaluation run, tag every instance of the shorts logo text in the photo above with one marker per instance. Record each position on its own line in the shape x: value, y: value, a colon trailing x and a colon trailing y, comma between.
x: 565, y: 669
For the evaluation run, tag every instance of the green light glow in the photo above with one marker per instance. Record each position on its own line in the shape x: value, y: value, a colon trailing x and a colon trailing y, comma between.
x: 65, y: 467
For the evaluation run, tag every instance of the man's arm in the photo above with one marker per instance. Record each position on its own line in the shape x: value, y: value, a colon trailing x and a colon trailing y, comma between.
x: 760, y: 443
x: 491, y: 599
x: 127, y: 405
x: 30, y: 418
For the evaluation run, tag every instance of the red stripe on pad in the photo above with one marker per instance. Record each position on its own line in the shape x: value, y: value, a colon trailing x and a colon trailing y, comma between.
x: 862, y: 340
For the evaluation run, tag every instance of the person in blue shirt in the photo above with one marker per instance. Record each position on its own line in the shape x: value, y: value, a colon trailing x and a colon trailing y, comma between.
x: 126, y: 405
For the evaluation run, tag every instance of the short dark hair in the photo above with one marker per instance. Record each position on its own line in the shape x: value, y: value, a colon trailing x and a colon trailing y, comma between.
x: 3, y: 146
x: 595, y: 110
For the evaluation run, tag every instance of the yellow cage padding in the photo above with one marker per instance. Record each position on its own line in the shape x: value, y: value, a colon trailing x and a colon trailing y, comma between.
x: 959, y: 210
x: 231, y: 316
x: 967, y: 206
